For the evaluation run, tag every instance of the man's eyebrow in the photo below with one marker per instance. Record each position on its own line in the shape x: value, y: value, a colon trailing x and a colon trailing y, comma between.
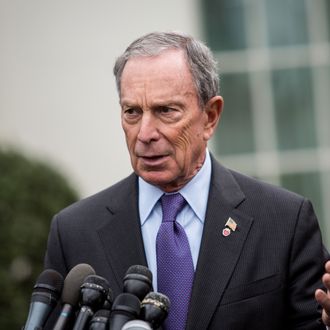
x: 127, y: 103
x: 168, y: 104
x: 154, y: 104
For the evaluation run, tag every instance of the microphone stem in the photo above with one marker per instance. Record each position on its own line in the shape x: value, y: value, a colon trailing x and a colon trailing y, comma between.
x: 63, y: 319
x: 83, y: 318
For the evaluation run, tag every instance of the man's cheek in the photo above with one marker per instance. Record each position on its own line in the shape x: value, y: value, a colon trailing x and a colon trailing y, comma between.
x: 183, y: 141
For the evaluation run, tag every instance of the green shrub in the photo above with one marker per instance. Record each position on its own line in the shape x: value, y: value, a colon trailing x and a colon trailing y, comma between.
x: 31, y: 192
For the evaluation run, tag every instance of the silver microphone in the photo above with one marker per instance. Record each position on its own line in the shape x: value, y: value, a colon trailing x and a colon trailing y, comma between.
x: 136, y: 325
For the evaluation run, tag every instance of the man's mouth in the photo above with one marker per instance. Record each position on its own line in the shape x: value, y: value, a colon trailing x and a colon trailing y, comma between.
x: 153, y: 160
x: 154, y: 157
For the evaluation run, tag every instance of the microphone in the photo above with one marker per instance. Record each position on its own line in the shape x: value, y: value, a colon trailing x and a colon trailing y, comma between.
x: 70, y: 294
x: 108, y: 301
x: 126, y: 307
x: 138, y: 281
x: 92, y: 296
x: 136, y: 325
x: 154, y: 309
x: 44, y: 298
x: 100, y: 320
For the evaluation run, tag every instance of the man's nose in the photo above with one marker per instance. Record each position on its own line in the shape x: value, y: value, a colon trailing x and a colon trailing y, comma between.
x: 148, y: 131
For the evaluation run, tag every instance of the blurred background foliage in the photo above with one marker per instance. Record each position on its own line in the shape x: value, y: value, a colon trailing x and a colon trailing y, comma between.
x: 31, y: 192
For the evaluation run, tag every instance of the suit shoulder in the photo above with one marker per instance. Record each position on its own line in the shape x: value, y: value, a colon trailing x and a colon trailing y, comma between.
x: 102, y: 198
x: 269, y: 196
x: 251, y: 187
x: 267, y: 202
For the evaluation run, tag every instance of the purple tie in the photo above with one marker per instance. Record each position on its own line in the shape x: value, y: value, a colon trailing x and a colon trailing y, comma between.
x: 175, y: 269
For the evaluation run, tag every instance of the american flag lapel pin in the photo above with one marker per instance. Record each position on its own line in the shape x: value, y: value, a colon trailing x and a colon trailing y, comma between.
x: 231, y: 223
x: 230, y: 226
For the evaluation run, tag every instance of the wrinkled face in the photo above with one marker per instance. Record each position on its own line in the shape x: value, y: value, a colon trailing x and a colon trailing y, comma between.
x: 166, y: 130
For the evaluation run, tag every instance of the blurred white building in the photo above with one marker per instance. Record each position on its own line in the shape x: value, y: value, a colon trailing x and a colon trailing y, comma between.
x: 58, y: 99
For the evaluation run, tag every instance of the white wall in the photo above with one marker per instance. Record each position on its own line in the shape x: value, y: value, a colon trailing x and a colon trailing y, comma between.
x: 57, y: 92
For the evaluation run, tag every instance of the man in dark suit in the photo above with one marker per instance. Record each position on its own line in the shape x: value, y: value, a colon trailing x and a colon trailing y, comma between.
x: 256, y: 249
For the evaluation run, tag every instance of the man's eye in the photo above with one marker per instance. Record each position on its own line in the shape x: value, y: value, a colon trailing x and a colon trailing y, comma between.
x: 131, y: 112
x: 131, y: 115
x: 166, y: 110
x: 169, y: 114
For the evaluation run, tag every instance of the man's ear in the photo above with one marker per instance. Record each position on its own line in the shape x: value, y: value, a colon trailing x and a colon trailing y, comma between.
x: 213, y: 110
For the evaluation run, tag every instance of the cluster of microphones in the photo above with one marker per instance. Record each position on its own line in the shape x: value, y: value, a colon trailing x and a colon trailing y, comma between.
x: 86, y: 301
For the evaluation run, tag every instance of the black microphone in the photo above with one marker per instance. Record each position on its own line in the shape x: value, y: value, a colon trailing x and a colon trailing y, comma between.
x: 136, y: 325
x: 92, y: 296
x: 154, y: 309
x: 126, y: 307
x: 138, y: 281
x: 70, y: 294
x: 100, y: 320
x: 108, y: 300
x: 44, y: 298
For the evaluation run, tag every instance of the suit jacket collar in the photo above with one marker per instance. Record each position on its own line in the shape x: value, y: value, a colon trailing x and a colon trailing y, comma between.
x: 218, y: 254
x: 121, y: 233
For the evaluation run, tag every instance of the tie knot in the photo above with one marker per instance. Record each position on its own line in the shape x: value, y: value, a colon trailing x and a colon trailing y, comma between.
x: 171, y: 205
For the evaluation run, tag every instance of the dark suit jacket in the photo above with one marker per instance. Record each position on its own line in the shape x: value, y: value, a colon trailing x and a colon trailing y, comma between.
x: 262, y: 276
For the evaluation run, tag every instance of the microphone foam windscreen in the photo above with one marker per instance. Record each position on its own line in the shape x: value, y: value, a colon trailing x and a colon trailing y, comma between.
x: 156, y: 299
x: 96, y: 281
x: 139, y: 269
x: 127, y: 302
x: 49, y: 279
x: 102, y: 313
x: 73, y: 282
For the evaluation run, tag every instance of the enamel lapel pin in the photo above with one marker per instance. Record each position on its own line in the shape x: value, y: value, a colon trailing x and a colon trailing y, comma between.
x: 230, y: 226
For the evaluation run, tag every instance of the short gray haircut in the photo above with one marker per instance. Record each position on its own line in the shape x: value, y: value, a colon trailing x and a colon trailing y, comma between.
x: 201, y: 62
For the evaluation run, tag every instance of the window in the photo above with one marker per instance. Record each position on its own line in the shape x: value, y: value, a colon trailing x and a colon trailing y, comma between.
x: 274, y: 62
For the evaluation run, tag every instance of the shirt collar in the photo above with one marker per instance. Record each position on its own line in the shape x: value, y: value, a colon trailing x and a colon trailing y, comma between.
x: 148, y: 197
x: 195, y: 192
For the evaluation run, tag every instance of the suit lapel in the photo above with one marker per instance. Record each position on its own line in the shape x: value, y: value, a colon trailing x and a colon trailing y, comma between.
x: 218, y: 253
x: 121, y: 234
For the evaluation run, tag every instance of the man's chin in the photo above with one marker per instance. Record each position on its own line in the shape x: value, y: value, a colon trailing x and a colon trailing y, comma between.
x: 156, y: 178
x: 167, y: 183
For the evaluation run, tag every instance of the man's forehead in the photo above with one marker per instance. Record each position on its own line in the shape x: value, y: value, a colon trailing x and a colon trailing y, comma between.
x: 170, y: 57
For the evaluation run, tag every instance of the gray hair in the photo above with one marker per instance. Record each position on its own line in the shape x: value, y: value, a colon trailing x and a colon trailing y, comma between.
x: 200, y: 60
